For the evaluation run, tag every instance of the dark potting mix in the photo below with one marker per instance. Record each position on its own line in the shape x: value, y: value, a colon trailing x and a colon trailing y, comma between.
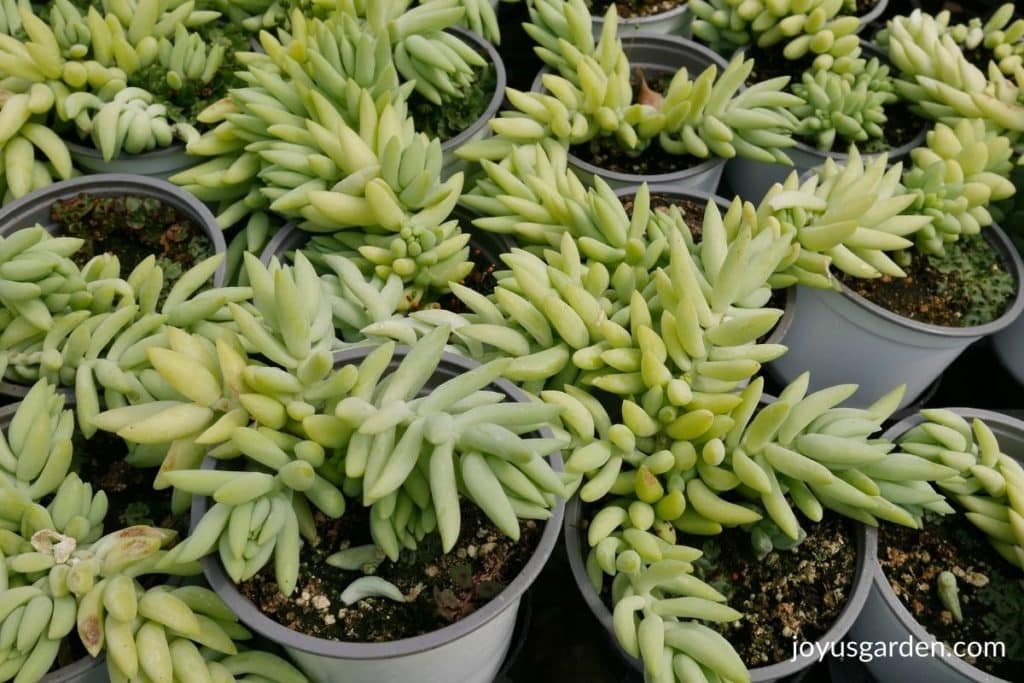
x: 969, y: 285
x: 439, y: 588
x: 628, y: 9
x: 133, y: 228
x: 457, y: 113
x: 991, y: 590
x: 789, y: 594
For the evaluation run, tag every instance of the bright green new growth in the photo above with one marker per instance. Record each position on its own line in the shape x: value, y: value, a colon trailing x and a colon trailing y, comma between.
x: 850, y: 106
x: 591, y: 96
x: 818, y: 27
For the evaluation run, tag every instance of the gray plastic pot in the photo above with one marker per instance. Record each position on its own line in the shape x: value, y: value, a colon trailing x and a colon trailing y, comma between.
x: 85, y: 670
x: 789, y: 308
x: 886, y: 619
x: 468, y: 651
x: 1009, y: 346
x: 491, y: 245
x: 656, y: 52
x: 34, y: 208
x: 158, y: 163
x: 479, y: 130
x: 866, y: 559
x: 842, y: 337
x: 675, y: 21
x: 876, y: 11
x: 751, y: 179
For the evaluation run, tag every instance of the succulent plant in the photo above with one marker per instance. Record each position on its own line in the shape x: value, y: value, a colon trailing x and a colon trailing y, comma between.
x: 989, y: 485
x: 848, y: 107
x: 346, y: 157
x: 60, y: 571
x: 817, y: 27
x: 591, y: 96
x: 954, y: 178
x: 1001, y: 35
x: 945, y: 86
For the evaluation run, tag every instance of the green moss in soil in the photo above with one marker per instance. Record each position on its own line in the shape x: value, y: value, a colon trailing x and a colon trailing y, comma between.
x: 440, y: 588
x: 604, y: 151
x: 133, y: 228
x: 131, y: 498
x: 967, y: 286
x: 991, y: 590
x: 790, y: 594
x: 629, y: 9
x: 456, y: 113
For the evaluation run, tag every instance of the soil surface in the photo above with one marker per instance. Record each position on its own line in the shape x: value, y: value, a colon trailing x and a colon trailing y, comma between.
x: 633, y: 8
x: 133, y: 228
x: 693, y: 211
x: 130, y: 494
x: 480, y: 280
x: 789, y: 594
x: 456, y: 114
x: 990, y: 588
x: 604, y: 151
x: 968, y: 286
x: 440, y: 589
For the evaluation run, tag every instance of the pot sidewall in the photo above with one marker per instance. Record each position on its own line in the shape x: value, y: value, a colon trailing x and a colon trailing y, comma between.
x: 469, y: 650
x: 1009, y: 346
x: 34, y: 208
x: 866, y: 558
x: 676, y: 21
x: 886, y: 619
x: 85, y: 670
x: 842, y: 337
x: 158, y: 163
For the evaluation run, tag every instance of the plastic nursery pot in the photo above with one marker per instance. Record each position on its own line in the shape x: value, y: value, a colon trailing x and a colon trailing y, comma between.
x: 491, y: 245
x: 752, y: 179
x: 479, y: 130
x: 657, y: 53
x: 675, y: 21
x: 1009, y: 346
x: 886, y: 619
x: 88, y: 669
x: 34, y: 208
x: 877, y: 11
x: 789, y: 308
x: 158, y: 163
x: 866, y: 559
x: 842, y: 337
x: 469, y: 651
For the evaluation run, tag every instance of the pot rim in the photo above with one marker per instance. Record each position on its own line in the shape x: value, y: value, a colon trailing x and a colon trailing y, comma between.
x: 875, y: 12
x: 249, y: 614
x: 896, y: 153
x: 861, y: 587
x: 646, y: 19
x: 881, y: 584
x: 788, y: 310
x: 638, y: 39
x: 85, y: 150
x: 112, y: 184
x: 501, y: 79
x: 1014, y: 265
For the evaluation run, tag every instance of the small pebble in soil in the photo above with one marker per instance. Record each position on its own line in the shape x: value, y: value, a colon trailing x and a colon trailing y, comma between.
x: 990, y: 589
